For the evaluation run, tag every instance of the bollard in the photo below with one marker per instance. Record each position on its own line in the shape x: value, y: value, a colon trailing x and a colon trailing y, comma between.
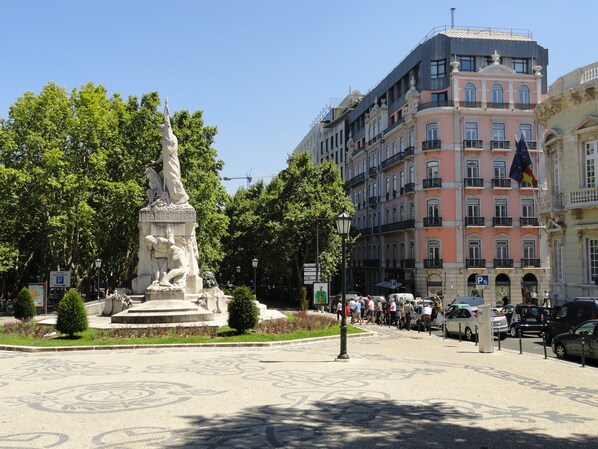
x: 477, y: 337
x: 499, y: 341
x: 430, y: 328
x: 520, y: 342
x: 460, y: 333
x: 583, y: 353
x: 544, y: 343
x: 419, y: 326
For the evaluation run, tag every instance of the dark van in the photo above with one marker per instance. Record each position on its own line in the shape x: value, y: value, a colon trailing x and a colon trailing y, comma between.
x: 570, y: 315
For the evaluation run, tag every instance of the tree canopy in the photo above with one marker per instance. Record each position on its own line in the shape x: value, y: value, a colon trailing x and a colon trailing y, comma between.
x: 72, y: 182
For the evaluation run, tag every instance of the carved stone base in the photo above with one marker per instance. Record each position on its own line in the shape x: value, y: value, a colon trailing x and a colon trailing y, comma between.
x: 163, y: 311
x: 164, y: 294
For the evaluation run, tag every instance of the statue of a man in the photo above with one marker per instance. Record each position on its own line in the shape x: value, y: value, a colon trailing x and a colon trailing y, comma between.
x: 171, y: 168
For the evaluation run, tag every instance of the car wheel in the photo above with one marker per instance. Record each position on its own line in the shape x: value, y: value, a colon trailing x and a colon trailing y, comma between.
x: 560, y: 351
x: 513, y: 331
x: 468, y: 334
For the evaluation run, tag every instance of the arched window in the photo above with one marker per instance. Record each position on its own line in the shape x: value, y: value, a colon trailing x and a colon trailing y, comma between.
x: 432, y: 170
x: 470, y: 94
x: 497, y: 94
x: 432, y: 131
x: 433, y: 208
x: 523, y: 94
x: 433, y: 249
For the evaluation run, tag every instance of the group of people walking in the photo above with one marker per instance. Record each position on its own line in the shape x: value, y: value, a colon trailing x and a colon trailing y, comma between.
x: 402, y: 315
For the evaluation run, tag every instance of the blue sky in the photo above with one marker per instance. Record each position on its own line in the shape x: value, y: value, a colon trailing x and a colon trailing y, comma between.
x: 261, y: 70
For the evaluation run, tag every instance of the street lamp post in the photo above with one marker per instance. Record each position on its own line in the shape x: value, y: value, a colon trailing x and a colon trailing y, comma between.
x: 343, y: 226
x: 238, y: 274
x: 98, y: 264
x: 254, y: 264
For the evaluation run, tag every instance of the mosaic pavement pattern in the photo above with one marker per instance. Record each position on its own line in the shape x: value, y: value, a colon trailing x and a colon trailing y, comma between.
x: 399, y: 390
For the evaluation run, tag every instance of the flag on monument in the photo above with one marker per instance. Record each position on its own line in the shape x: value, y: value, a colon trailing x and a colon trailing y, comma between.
x: 521, y: 167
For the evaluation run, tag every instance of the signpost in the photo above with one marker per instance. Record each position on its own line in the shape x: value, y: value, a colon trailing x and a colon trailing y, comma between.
x: 310, y: 273
x: 60, y: 279
x: 481, y: 281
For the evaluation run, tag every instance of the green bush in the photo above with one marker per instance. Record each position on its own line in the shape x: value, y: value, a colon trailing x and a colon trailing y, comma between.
x: 24, y: 307
x: 72, y: 316
x: 243, y: 313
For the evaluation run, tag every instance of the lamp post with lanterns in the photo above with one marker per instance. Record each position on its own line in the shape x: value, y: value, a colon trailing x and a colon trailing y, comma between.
x: 98, y: 264
x: 254, y: 265
x: 343, y: 226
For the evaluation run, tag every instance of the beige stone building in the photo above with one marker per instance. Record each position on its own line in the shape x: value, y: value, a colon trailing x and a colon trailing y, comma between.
x: 569, y: 206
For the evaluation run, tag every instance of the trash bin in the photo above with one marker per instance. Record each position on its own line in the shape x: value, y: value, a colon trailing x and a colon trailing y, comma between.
x: 485, y: 336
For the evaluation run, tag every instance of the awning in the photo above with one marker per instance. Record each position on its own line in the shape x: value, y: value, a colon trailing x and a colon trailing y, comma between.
x: 389, y: 284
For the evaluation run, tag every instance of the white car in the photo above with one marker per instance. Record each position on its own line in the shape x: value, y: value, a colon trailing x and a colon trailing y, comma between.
x: 468, y: 318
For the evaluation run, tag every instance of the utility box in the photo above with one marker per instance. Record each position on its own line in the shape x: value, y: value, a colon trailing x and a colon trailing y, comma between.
x: 485, y: 334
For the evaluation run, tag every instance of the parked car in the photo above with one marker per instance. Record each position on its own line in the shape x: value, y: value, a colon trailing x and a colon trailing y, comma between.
x: 527, y: 318
x: 571, y: 315
x: 469, y: 300
x: 569, y: 344
x: 468, y: 318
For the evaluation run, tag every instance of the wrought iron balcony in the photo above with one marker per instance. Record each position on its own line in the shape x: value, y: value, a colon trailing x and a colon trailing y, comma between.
x: 473, y: 182
x: 365, y: 231
x: 503, y: 263
x: 529, y: 221
x: 409, y: 151
x: 395, y: 158
x: 470, y: 104
x: 500, y: 145
x: 533, y: 263
x: 524, y: 106
x: 432, y: 222
x: 473, y: 144
x: 372, y: 171
x: 431, y: 145
x: 373, y: 201
x: 475, y: 263
x: 531, y: 144
x: 410, y: 187
x: 409, y: 224
x: 502, y: 221
x: 357, y: 179
x: 494, y: 105
x: 502, y: 183
x: 474, y: 221
x: 390, y: 227
x: 432, y: 263
x: 436, y: 104
x: 432, y: 183
x: 408, y: 263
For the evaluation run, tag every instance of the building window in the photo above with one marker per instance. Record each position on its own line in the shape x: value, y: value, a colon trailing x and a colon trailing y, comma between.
x: 412, y: 249
x: 402, y: 250
x: 466, y: 63
x: 471, y: 131
x: 500, y: 208
x: 473, y: 207
x: 437, y: 69
x: 412, y: 211
x: 432, y: 131
x: 394, y: 182
x: 591, y: 157
x: 559, y: 261
x: 474, y: 249
x: 523, y: 94
x: 394, y: 147
x: 434, y: 249
x: 432, y: 170
x: 401, y: 144
x: 473, y: 169
x: 401, y: 212
x: 402, y: 178
x: 433, y: 208
x: 411, y: 137
x: 387, y: 152
x: 498, y: 131
x: 497, y: 94
x: 527, y: 208
x: 529, y: 249
x: 500, y: 169
x: 387, y: 187
x: 502, y: 249
x: 520, y: 66
x: 411, y: 173
x: 526, y: 130
x: 440, y: 98
x: 592, y: 248
x: 470, y: 93
x: 394, y: 214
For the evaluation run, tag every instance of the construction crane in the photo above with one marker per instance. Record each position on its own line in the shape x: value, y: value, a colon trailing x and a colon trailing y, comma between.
x: 247, y: 177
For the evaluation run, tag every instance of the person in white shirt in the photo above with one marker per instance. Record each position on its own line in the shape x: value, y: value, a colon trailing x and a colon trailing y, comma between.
x: 427, y: 317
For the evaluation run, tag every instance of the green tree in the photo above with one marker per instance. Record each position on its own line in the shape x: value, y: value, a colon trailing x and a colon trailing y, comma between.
x: 72, y: 316
x: 243, y: 313
x: 72, y: 182
x: 24, y: 307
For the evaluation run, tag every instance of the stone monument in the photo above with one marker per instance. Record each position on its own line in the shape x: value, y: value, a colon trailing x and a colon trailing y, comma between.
x: 168, y: 274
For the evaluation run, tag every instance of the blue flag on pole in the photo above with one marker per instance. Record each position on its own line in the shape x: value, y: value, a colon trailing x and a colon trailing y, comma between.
x: 521, y: 167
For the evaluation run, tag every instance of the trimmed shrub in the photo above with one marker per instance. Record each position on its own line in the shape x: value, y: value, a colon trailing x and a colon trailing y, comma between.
x: 72, y: 316
x: 24, y: 307
x: 243, y: 313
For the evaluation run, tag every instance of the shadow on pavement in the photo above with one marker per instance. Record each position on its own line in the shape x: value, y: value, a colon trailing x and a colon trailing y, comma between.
x: 344, y: 422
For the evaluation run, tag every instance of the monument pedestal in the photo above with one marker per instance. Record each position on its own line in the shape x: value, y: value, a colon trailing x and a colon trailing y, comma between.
x: 163, y: 311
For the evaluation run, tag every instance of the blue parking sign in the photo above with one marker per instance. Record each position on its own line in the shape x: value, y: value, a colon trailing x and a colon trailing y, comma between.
x: 60, y: 280
x: 481, y: 280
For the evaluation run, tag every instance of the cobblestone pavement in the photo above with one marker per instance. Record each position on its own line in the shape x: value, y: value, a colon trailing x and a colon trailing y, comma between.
x: 400, y: 389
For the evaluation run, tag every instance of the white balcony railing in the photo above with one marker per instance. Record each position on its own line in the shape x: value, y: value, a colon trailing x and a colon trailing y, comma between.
x: 583, y: 198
